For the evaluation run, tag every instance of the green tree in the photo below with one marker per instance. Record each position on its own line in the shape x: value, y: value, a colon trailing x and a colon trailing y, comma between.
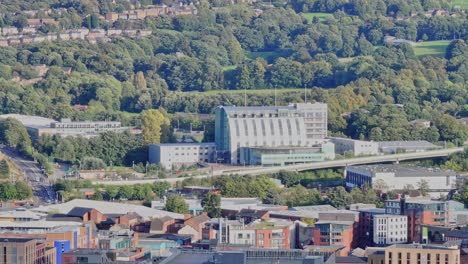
x: 152, y: 120
x: 273, y: 197
x: 160, y: 188
x: 423, y: 187
x: 111, y: 191
x: 212, y: 204
x: 125, y: 192
x: 339, y: 197
x: 176, y: 204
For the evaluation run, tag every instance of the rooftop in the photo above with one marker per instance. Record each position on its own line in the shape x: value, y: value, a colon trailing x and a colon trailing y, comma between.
x: 14, y: 240
x: 186, y: 144
x: 389, y: 216
x: 405, y: 170
x: 108, y: 208
x: 30, y: 121
x: 274, y: 108
x: 422, y: 246
x: 407, y: 144
x: 36, y: 224
x: 22, y: 214
x: 312, y: 208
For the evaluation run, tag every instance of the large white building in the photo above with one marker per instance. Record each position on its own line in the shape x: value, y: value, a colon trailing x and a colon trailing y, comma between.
x: 297, y: 125
x: 177, y: 154
x: 355, y: 147
x: 390, y: 229
x: 396, y: 177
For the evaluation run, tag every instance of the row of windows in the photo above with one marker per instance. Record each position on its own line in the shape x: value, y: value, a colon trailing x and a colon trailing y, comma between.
x: 421, y: 258
x: 194, y: 148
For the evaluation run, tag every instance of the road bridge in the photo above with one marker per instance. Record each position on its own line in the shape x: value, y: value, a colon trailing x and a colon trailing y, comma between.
x: 239, y: 170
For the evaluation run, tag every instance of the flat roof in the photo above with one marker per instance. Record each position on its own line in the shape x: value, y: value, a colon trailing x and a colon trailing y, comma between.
x: 36, y: 224
x: 185, y: 144
x: 15, y: 239
x: 30, y: 121
x: 407, y: 144
x: 296, y: 106
x: 405, y: 170
x: 108, y: 208
x: 389, y: 216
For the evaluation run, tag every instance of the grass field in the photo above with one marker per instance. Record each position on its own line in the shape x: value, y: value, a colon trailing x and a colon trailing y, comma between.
x: 321, y: 16
x: 461, y: 3
x: 433, y: 48
x: 228, y: 68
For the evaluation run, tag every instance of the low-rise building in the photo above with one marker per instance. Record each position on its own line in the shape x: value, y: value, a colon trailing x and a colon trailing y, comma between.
x: 397, y: 177
x: 174, y: 155
x: 354, y: 147
x: 406, y: 146
x: 390, y: 229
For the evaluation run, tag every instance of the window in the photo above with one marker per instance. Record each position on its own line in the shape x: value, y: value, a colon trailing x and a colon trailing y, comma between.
x: 418, y: 257
x: 408, y: 258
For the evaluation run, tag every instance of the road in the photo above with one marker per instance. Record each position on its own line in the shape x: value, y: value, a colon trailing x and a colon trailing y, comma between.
x: 32, y: 173
x: 239, y: 170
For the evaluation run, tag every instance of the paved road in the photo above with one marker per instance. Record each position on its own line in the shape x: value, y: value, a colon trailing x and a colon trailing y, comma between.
x: 303, y: 167
x: 32, y: 173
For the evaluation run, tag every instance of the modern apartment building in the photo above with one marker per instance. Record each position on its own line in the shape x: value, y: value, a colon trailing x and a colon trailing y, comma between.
x: 390, y: 229
x: 25, y: 251
x: 266, y: 233
x: 422, y: 254
x: 297, y: 125
x: 419, y: 212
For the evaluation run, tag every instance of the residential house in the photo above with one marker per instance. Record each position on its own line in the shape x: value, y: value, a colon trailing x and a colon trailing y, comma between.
x: 161, y: 225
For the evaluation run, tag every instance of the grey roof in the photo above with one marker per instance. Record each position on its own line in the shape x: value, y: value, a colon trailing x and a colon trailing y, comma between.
x: 407, y: 144
x: 305, y: 106
x: 14, y: 239
x: 314, y: 208
x: 185, y: 144
x: 350, y: 259
x: 30, y: 121
x: 405, y: 170
x: 108, y: 208
x: 79, y: 211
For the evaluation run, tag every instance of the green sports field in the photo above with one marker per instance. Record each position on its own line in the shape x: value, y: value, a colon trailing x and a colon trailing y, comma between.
x: 435, y: 48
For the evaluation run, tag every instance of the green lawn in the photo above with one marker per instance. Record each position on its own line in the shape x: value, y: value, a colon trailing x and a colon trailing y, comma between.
x: 462, y: 3
x: 321, y: 16
x: 228, y: 68
x: 435, y: 48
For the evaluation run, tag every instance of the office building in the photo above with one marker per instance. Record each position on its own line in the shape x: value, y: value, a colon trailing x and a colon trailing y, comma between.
x: 297, y: 125
x: 175, y: 155
x: 396, y: 177
x: 25, y: 251
x: 390, y: 229
x: 424, y: 254
x: 354, y: 147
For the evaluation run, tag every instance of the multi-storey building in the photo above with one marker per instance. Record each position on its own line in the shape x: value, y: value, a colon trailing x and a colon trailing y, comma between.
x: 340, y: 233
x: 422, y: 254
x: 390, y: 229
x: 25, y: 251
x: 298, y: 125
x: 419, y: 212
x: 266, y: 233
x: 366, y: 226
